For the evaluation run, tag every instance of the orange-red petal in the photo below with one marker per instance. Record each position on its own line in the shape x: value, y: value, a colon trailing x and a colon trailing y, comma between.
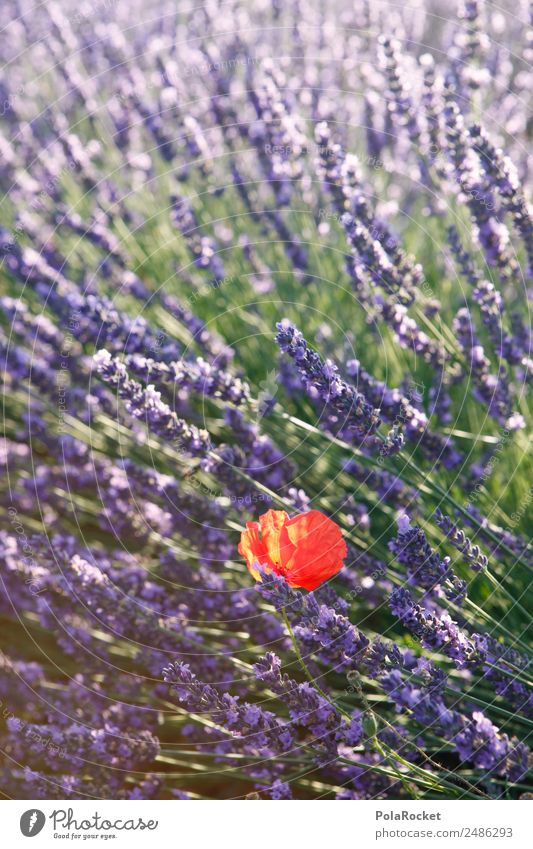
x: 253, y: 550
x: 318, y: 549
x: 272, y: 523
x: 307, y: 549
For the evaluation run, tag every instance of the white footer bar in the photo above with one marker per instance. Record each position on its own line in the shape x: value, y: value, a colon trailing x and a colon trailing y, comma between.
x: 281, y: 825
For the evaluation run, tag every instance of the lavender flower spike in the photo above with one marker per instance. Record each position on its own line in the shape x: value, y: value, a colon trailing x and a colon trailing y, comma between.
x: 322, y: 381
x: 147, y: 404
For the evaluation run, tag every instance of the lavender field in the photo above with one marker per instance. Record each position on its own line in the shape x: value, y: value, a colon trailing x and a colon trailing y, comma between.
x: 266, y: 275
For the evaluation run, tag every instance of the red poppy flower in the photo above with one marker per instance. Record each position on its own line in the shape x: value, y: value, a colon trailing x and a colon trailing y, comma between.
x: 307, y: 549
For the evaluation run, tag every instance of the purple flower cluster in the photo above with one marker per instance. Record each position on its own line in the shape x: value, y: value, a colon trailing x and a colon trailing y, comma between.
x: 339, y: 644
x: 345, y: 407
x: 425, y: 568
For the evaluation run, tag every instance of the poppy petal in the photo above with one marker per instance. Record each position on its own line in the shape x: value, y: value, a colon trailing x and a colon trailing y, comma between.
x: 319, y: 549
x: 306, y: 550
x: 272, y: 523
x: 253, y: 550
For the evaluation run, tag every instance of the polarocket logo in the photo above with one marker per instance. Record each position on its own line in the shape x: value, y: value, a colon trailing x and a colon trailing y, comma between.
x: 32, y: 822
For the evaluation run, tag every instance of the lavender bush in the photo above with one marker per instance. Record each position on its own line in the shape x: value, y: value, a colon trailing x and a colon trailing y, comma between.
x: 265, y: 256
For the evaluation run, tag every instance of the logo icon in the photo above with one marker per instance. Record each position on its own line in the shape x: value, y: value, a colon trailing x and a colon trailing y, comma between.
x: 266, y: 398
x: 32, y: 822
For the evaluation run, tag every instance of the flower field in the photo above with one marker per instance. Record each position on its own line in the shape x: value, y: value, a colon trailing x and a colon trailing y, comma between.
x: 266, y: 274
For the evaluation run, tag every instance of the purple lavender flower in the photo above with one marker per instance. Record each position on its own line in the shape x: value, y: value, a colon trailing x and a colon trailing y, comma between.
x: 190, y: 375
x: 471, y: 553
x: 203, y: 248
x: 260, y: 729
x: 322, y: 380
x: 309, y: 709
x: 425, y: 568
x: 147, y: 404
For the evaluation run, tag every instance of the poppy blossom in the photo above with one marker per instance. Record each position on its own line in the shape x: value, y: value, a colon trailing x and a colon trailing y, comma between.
x: 306, y: 550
